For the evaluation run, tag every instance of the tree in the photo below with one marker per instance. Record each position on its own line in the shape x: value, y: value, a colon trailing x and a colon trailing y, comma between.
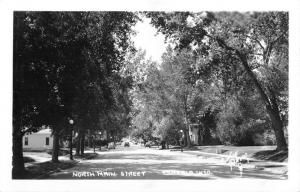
x: 108, y: 44
x: 256, y: 41
x: 63, y: 64
x: 33, y: 85
x: 165, y: 96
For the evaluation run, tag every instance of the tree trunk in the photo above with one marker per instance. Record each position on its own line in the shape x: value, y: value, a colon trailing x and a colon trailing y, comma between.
x: 200, y: 137
x: 186, y: 130
x: 89, y: 138
x: 18, y: 161
x: 278, y: 130
x: 78, y: 143
x: 94, y: 146
x: 55, y: 149
x: 71, y: 144
x: 78, y: 146
x: 18, y: 169
x: 187, y: 138
x: 277, y: 123
x: 270, y: 104
x: 272, y: 109
x: 82, y: 139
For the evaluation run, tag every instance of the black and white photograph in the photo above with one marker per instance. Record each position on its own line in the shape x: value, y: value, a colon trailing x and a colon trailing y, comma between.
x: 150, y: 95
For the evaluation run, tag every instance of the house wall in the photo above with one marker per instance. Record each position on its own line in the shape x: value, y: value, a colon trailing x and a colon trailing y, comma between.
x: 195, y: 136
x: 38, y: 141
x: 193, y: 132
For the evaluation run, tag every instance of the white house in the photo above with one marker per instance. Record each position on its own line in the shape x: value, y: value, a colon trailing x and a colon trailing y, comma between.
x: 39, y: 140
x: 193, y: 132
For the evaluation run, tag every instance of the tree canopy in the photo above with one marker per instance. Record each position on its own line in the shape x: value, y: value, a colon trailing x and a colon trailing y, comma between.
x: 254, y: 43
x: 66, y: 65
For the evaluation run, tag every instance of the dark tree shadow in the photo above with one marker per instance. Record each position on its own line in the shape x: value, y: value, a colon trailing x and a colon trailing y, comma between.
x: 271, y: 155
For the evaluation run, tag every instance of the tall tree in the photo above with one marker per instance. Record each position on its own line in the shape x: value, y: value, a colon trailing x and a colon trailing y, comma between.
x: 257, y: 41
x: 165, y: 96
x: 61, y: 58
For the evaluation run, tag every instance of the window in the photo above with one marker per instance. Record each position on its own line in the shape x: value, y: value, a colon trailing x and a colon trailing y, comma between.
x: 47, y: 140
x: 26, y: 141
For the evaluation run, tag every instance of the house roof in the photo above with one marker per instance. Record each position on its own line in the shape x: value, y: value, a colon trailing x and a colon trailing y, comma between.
x: 43, y: 131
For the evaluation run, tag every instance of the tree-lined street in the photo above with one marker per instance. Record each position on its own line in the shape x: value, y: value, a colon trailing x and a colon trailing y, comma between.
x: 138, y: 162
x: 222, y: 80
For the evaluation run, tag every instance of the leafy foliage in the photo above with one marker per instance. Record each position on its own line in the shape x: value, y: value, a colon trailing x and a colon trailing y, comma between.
x: 238, y: 50
x: 66, y: 65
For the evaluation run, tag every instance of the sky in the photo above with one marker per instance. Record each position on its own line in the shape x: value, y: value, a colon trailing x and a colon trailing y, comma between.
x: 147, y: 39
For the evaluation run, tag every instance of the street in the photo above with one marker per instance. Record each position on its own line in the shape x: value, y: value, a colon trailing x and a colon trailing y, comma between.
x: 137, y: 162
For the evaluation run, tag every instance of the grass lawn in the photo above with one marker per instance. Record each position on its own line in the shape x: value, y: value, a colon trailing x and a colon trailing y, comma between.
x: 42, y: 170
x: 40, y: 164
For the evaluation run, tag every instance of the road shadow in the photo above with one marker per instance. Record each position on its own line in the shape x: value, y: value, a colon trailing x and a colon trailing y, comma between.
x: 141, y: 156
x: 271, y: 155
x: 44, y: 169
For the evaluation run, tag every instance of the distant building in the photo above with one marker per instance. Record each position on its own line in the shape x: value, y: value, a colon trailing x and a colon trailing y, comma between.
x: 100, y: 135
x: 193, y: 133
x: 39, y: 140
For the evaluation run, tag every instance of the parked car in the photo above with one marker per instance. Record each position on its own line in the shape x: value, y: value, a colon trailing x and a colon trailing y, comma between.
x: 126, y: 144
x: 119, y: 143
x: 151, y: 143
x: 111, y: 145
x: 148, y: 144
